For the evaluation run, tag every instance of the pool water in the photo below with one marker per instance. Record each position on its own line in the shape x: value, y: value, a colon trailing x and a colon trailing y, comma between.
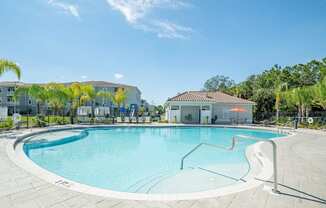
x: 147, y: 159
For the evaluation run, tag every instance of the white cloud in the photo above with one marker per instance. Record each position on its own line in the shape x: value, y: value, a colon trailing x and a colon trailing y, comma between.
x: 136, y: 13
x: 68, y: 8
x: 84, y: 77
x: 170, y: 30
x: 118, y: 76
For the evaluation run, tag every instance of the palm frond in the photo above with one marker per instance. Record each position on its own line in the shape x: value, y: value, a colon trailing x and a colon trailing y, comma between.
x: 6, y: 65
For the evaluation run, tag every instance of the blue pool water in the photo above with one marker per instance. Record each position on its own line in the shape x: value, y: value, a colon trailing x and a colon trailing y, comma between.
x: 145, y: 159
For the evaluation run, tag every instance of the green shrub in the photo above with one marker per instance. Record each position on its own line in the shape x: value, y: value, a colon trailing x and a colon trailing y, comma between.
x: 6, y: 124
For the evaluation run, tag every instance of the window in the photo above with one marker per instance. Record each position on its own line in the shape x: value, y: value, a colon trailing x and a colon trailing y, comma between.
x: 29, y: 102
x: 11, y: 89
x: 174, y: 107
x: 10, y: 99
x: 205, y: 108
x: 117, y: 88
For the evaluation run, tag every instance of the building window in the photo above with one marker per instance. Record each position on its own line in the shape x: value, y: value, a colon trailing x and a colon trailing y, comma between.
x: 174, y: 107
x: 116, y: 89
x: 205, y: 108
x: 11, y: 89
x: 29, y: 102
x: 10, y: 99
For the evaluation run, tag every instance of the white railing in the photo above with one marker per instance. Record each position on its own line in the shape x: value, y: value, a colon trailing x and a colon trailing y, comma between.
x: 234, y: 139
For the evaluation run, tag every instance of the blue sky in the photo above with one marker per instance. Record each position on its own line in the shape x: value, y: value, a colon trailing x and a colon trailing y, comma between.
x: 161, y: 46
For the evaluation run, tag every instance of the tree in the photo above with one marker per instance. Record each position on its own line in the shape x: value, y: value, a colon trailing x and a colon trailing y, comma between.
x: 20, y: 91
x: 37, y: 92
x: 323, y: 69
x: 320, y: 94
x: 119, y: 97
x: 307, y: 96
x: 6, y: 65
x: 40, y: 95
x: 57, y: 97
x: 278, y: 91
x: 88, y: 94
x: 292, y: 98
x: 105, y: 95
x: 73, y: 94
x: 218, y: 83
x: 159, y: 109
x: 267, y: 88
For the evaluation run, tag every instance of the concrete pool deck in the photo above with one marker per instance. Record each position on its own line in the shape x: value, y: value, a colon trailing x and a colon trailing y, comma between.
x: 302, y: 178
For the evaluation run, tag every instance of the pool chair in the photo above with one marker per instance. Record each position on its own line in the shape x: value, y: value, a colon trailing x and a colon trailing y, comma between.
x: 83, y: 119
x: 141, y: 119
x: 100, y: 119
x: 119, y: 120
x: 127, y: 120
x: 148, y: 119
x: 133, y: 120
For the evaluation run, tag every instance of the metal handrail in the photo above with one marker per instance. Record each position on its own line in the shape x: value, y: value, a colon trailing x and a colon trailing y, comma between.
x: 287, y: 126
x: 275, y: 189
x: 234, y: 139
x: 201, y: 144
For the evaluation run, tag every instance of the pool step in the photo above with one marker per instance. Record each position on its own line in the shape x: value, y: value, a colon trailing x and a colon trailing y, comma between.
x: 146, y: 184
x: 207, y: 177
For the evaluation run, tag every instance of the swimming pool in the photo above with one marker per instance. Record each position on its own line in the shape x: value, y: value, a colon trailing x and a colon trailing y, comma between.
x: 146, y: 159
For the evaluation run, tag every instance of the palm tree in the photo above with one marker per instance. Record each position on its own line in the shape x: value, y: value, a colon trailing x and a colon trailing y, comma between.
x: 37, y: 92
x: 21, y: 90
x: 6, y: 65
x: 302, y: 98
x: 88, y: 95
x: 293, y: 98
x: 73, y: 94
x: 278, y: 92
x: 105, y: 95
x: 40, y: 95
x: 307, y: 99
x: 320, y: 94
x: 57, y: 97
x: 119, y: 97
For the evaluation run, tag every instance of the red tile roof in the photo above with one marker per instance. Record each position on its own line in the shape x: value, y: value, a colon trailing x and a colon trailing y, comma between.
x: 215, y: 97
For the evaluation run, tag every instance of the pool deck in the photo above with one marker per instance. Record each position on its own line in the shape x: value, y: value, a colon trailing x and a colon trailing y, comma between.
x: 302, y: 178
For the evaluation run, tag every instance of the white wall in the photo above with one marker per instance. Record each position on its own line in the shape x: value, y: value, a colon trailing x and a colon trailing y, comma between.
x: 173, y: 116
x: 133, y: 96
x: 222, y: 111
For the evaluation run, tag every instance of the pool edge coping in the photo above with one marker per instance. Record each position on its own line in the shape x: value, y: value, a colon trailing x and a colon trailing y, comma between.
x: 18, y: 156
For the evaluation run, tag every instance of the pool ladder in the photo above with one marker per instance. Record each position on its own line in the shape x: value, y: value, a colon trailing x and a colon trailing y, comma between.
x: 234, y: 140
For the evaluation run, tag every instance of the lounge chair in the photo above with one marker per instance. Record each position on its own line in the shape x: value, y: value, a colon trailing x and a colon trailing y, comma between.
x: 141, y: 119
x: 148, y: 119
x: 83, y: 119
x: 99, y: 119
x: 119, y: 120
x: 127, y: 120
x: 133, y: 120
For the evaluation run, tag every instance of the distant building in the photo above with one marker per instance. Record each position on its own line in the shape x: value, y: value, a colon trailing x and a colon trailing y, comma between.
x: 26, y: 104
x: 196, y: 107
